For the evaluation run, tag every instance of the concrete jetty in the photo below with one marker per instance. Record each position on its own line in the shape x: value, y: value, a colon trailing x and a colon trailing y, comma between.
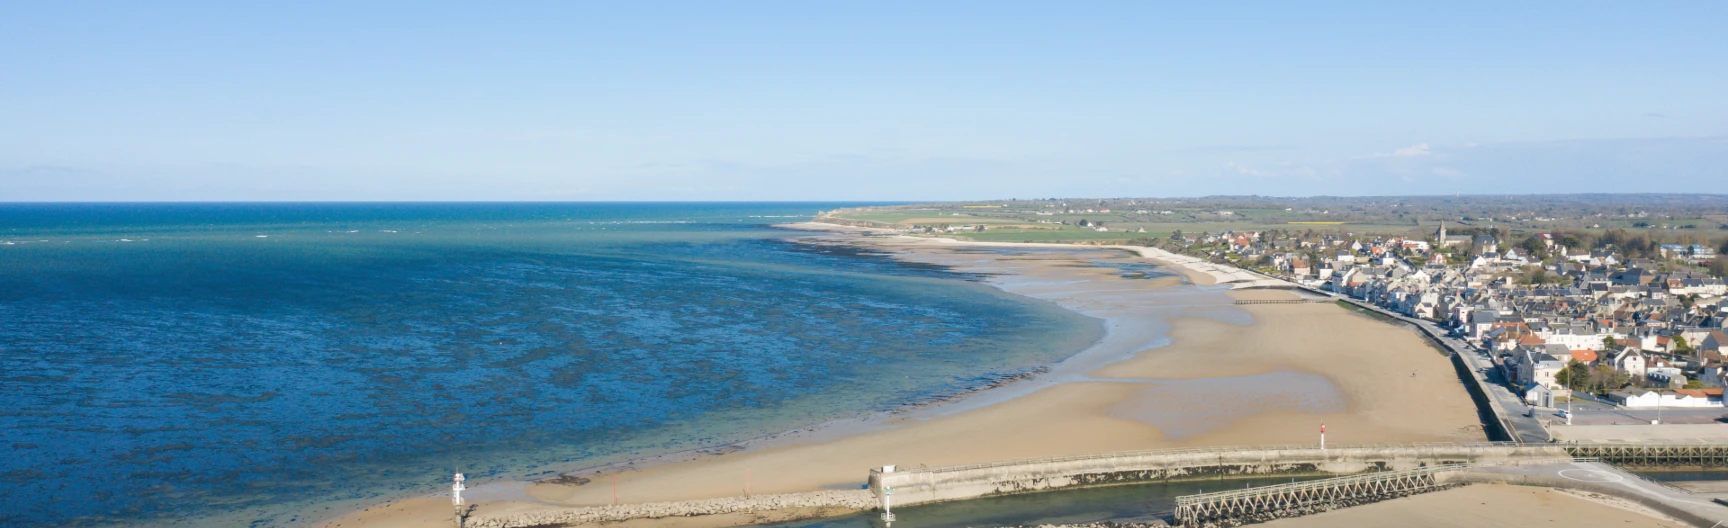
x: 920, y: 485
x: 839, y: 501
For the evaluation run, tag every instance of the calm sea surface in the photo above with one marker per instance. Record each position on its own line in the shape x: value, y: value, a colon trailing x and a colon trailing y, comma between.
x: 223, y: 364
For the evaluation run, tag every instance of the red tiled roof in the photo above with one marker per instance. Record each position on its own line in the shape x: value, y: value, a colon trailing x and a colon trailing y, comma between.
x: 1584, y: 356
x: 1700, y: 393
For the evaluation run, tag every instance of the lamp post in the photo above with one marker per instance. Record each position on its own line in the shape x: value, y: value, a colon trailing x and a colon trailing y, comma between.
x: 456, y: 488
x: 887, y: 504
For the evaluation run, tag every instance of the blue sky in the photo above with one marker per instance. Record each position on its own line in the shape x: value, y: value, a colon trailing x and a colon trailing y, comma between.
x: 731, y: 100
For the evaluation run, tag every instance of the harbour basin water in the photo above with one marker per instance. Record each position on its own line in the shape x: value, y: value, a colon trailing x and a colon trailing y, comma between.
x: 1033, y: 509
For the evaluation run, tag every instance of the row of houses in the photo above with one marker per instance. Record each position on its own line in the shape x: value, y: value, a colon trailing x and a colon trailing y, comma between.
x: 1655, y: 323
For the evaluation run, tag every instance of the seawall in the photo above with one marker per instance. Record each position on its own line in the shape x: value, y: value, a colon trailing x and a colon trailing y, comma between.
x: 836, y: 502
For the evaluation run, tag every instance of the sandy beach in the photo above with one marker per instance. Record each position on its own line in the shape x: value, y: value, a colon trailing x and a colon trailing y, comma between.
x: 1179, y: 365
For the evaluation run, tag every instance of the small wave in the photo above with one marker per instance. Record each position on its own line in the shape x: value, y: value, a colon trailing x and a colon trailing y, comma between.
x: 124, y: 240
x: 263, y: 236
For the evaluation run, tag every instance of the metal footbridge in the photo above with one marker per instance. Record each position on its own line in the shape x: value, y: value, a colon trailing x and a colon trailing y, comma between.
x: 1654, y: 454
x: 1251, y: 505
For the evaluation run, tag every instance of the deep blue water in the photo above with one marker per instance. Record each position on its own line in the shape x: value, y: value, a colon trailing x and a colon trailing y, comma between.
x: 264, y: 363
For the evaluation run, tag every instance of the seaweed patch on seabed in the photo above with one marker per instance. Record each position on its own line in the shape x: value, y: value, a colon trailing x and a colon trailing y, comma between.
x: 1135, y: 269
x: 968, y: 387
x: 722, y: 450
x: 841, y: 249
x: 566, y: 480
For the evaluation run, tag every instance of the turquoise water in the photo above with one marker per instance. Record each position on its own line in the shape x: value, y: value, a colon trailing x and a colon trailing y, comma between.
x: 270, y: 363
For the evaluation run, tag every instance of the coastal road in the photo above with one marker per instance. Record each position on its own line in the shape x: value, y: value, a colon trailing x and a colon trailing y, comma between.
x: 1640, y: 416
x: 1509, y: 406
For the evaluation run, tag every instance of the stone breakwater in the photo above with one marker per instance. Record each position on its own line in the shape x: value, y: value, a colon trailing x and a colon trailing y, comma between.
x: 850, y: 499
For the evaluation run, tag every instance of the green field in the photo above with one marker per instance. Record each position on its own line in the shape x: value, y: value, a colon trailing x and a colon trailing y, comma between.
x: 1021, y: 221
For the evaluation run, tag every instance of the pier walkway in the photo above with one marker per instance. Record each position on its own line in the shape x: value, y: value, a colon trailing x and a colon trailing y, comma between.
x: 1366, y: 472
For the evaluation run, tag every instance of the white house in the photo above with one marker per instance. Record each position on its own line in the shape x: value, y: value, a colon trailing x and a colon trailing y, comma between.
x: 1640, y: 398
x: 1630, y: 361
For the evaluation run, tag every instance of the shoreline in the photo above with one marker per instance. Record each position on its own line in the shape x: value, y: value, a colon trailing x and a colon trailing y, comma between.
x: 1097, y: 379
x: 840, y: 427
x: 1194, y: 269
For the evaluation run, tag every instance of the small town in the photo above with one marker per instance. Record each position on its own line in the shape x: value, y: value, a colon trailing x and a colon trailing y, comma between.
x: 1606, y: 319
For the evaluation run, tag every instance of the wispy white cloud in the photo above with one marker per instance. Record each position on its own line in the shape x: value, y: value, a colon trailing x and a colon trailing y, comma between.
x: 1230, y: 148
x: 1413, y: 151
x: 1277, y: 171
x: 1595, y: 165
x: 1245, y: 170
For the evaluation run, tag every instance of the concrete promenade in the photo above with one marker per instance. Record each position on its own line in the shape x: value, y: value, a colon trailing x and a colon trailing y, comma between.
x: 920, y: 485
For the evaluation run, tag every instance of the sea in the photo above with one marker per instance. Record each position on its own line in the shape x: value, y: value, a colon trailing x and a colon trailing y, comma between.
x: 277, y: 364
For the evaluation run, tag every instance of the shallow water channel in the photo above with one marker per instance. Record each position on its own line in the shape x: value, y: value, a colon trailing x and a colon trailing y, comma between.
x: 1691, y: 475
x: 1031, y: 509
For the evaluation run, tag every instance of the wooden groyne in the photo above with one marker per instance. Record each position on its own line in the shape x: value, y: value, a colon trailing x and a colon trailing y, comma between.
x: 1232, y: 508
x: 1700, y: 453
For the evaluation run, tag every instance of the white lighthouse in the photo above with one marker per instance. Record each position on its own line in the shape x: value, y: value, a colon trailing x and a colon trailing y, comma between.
x: 456, y: 490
